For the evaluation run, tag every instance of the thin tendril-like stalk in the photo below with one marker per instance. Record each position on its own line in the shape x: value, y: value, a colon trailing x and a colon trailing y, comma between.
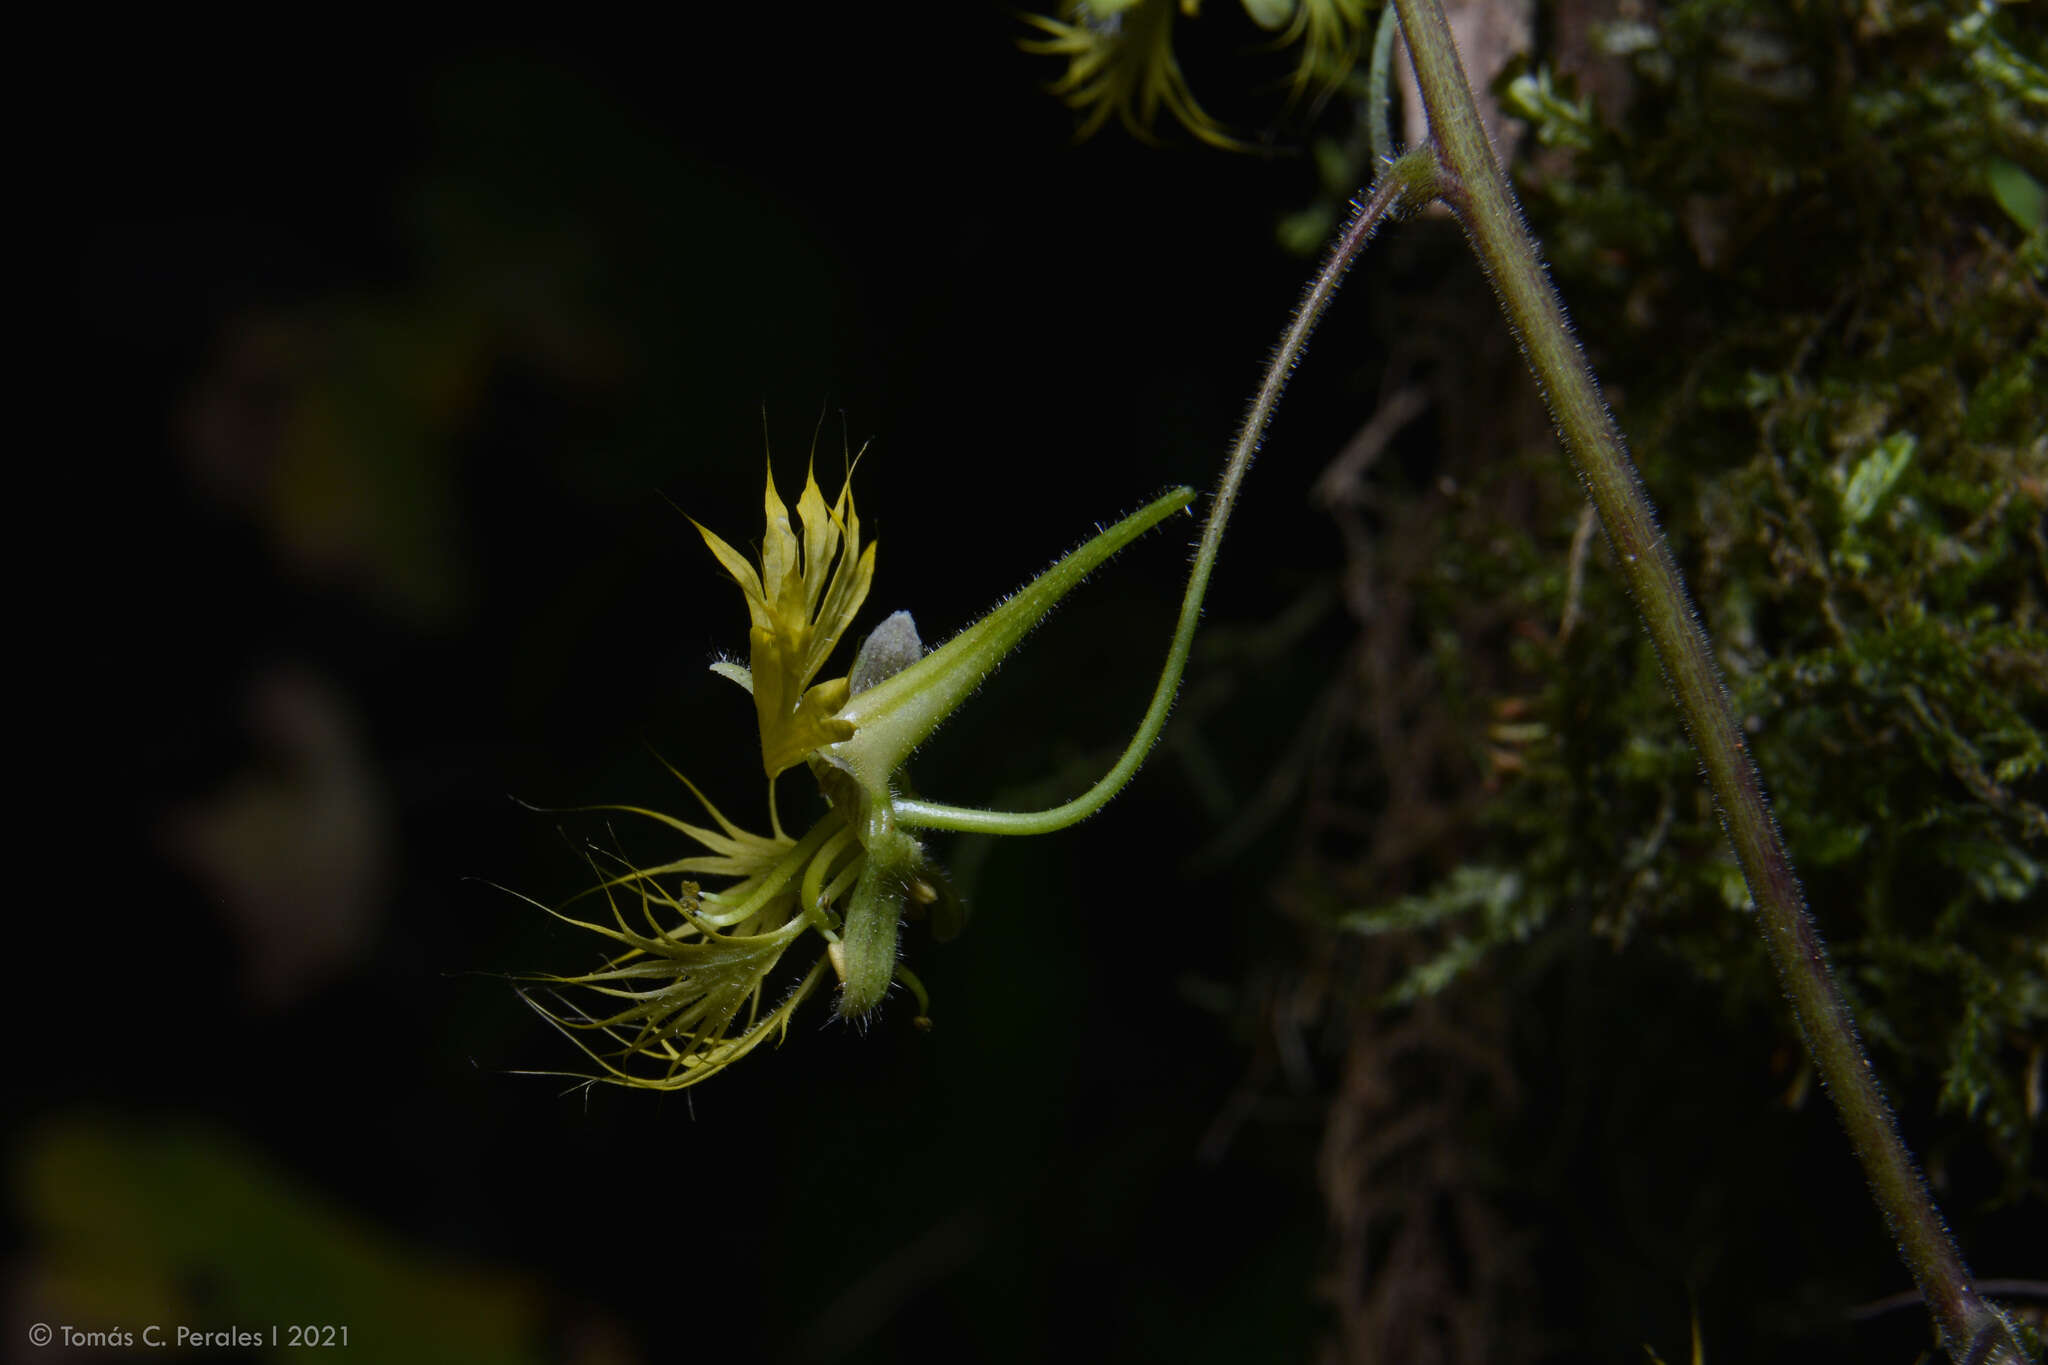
x: 1407, y: 181
x: 1971, y: 1329
x: 1378, y: 85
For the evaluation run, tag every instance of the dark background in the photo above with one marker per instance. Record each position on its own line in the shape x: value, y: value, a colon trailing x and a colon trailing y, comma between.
x: 404, y: 355
x: 399, y: 351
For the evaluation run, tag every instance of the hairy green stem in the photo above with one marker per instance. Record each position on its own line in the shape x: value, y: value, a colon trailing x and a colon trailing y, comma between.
x: 1410, y: 180
x: 1971, y: 1328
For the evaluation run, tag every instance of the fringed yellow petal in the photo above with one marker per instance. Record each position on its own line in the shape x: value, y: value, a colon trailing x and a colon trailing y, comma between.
x: 811, y: 726
x: 666, y: 1039
x: 734, y: 563
x: 681, y: 997
x: 800, y: 605
x: 779, y: 559
x: 822, y: 532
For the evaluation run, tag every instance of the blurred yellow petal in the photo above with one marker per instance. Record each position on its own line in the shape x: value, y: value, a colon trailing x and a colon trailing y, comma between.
x: 1331, y: 34
x: 1122, y: 64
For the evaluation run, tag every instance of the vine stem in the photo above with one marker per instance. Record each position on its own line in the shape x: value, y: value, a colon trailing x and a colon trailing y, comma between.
x: 1971, y: 1328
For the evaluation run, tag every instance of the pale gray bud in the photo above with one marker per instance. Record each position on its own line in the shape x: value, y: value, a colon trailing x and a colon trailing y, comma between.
x: 890, y: 648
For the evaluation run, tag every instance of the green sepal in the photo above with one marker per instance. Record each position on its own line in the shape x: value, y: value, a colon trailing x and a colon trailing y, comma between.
x: 874, y: 916
x: 894, y: 716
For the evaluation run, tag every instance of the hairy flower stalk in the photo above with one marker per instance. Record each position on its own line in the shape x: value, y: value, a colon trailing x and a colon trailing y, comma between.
x: 687, y: 988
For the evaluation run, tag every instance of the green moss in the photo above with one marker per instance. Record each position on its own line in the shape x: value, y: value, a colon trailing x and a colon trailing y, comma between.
x: 1801, y: 257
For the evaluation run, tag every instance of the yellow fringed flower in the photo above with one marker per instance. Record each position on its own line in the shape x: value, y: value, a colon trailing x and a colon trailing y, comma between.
x: 1120, y: 61
x: 802, y: 600
x: 686, y: 987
